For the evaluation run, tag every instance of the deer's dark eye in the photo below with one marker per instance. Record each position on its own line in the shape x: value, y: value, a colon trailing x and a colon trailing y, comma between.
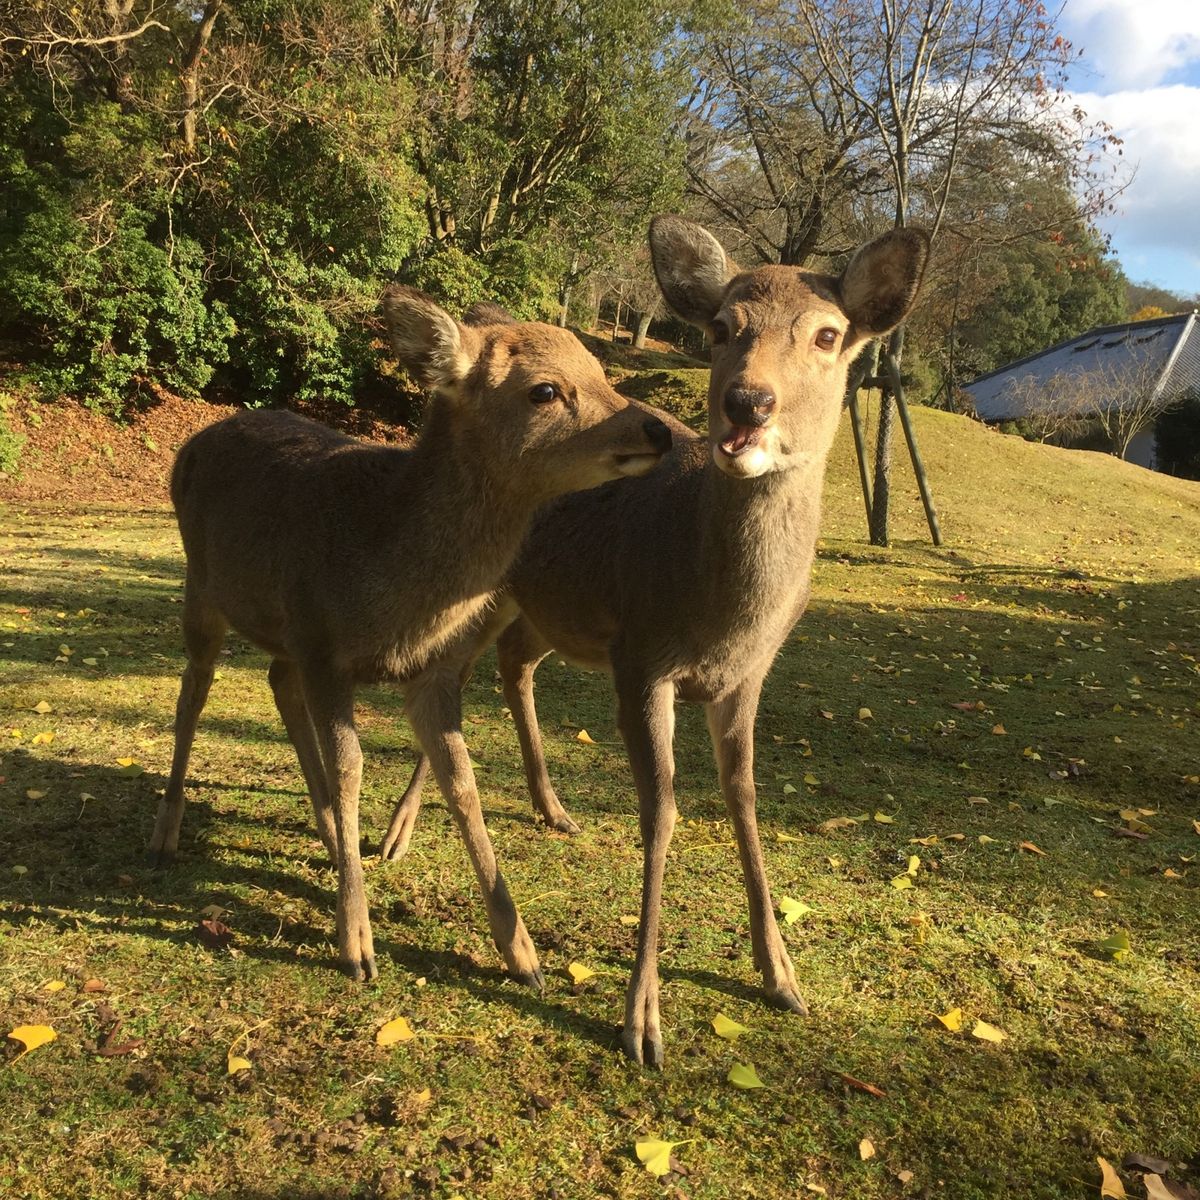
x: 720, y: 333
x: 543, y: 393
x: 827, y: 338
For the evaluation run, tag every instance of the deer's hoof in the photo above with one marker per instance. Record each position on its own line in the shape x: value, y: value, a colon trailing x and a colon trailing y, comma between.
x: 788, y: 998
x: 532, y: 979
x: 361, y: 970
x: 160, y: 860
x: 564, y: 824
x: 644, y: 1049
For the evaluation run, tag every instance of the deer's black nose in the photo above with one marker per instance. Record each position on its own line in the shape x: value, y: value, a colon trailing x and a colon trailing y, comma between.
x: 658, y: 433
x: 748, y: 406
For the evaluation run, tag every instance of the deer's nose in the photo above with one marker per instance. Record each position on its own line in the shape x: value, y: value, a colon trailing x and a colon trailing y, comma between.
x: 749, y: 406
x: 658, y: 433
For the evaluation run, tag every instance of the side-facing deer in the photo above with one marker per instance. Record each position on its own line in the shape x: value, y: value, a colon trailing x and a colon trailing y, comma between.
x: 684, y: 584
x: 350, y: 563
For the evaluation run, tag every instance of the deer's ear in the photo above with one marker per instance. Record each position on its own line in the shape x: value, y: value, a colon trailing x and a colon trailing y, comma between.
x: 430, y: 344
x: 691, y: 266
x: 880, y: 283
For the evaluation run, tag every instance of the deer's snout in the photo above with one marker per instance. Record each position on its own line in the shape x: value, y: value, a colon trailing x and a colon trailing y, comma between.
x: 658, y: 434
x: 749, y: 406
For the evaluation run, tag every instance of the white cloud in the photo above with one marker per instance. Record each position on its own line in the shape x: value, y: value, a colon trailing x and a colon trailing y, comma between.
x: 1160, y: 209
x: 1134, y: 43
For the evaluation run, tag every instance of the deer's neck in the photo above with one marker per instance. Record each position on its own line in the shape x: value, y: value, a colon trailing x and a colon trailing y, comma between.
x: 758, y: 537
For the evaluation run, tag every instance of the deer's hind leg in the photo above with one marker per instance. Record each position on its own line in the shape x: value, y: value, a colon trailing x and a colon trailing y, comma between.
x: 435, y: 712
x: 203, y: 632
x: 289, y: 699
x: 518, y: 652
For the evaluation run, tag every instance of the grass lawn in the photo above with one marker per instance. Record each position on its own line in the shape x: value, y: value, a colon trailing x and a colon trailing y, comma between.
x: 1025, y: 685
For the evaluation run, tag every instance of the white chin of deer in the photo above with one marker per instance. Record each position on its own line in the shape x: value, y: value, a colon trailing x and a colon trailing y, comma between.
x: 746, y: 453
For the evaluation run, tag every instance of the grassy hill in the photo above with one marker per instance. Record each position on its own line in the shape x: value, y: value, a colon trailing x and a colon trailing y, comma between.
x: 1017, y: 710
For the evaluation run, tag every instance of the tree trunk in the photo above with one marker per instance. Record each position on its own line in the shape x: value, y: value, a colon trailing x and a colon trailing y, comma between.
x: 617, y: 318
x: 643, y: 328
x: 189, y: 73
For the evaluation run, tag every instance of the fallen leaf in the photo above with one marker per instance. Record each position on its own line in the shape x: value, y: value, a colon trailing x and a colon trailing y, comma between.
x: 92, y: 986
x: 213, y: 933
x: 396, y: 1030
x: 1100, y: 893
x: 860, y: 1086
x: 865, y: 714
x: 789, y: 789
x: 1117, y: 946
x: 904, y: 1176
x: 787, y: 837
x: 423, y: 1096
x: 812, y: 780
x: 234, y: 1063
x: 745, y: 1077
x: 1030, y: 753
x: 999, y: 730
x: 884, y: 819
x: 725, y: 1028
x: 1146, y: 1162
x: 984, y: 840
x: 42, y: 739
x: 34, y: 794
x: 584, y: 737
x: 1137, y: 834
x: 1196, y: 826
x: 55, y: 985
x: 89, y: 662
x: 914, y: 864
x: 952, y: 1019
x: 579, y: 972
x: 931, y: 840
x: 826, y: 714
x: 213, y: 911
x: 969, y: 706
x: 903, y: 883
x: 20, y: 870
x: 866, y: 1149
x: 1032, y: 849
x: 1110, y: 1184
x: 1158, y: 1188
x: 655, y: 1156
x: 988, y: 1033
x: 792, y: 910
x: 42, y: 707
x: 130, y: 768
x: 628, y: 920
x: 32, y: 1036
x: 836, y: 823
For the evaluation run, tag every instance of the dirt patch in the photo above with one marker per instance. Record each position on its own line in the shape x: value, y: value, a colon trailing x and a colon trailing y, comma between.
x: 74, y: 455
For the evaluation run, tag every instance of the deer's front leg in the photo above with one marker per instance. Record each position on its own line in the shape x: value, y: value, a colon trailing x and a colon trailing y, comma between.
x: 330, y: 702
x: 731, y: 726
x: 647, y: 722
x: 435, y: 713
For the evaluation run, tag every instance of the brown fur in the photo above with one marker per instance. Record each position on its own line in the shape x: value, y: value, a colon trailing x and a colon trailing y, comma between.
x: 351, y: 562
x: 684, y: 584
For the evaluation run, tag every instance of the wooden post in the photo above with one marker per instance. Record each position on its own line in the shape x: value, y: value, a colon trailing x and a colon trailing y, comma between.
x: 891, y: 369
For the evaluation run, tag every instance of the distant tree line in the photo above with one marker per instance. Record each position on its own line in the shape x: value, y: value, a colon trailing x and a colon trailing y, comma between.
x: 208, y: 197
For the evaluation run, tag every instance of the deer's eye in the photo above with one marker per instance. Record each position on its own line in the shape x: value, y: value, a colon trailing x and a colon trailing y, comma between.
x: 543, y: 393
x: 827, y: 338
x: 720, y: 333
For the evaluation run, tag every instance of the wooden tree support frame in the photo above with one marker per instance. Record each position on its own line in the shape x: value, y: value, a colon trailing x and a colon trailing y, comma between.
x: 883, y: 372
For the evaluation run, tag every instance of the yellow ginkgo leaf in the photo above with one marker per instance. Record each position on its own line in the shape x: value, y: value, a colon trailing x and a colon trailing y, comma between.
x: 579, y: 972
x: 789, y: 789
x: 42, y: 739
x: 32, y: 1036
x: 1156, y: 1189
x: 628, y: 920
x: 903, y: 883
x: 1117, y: 946
x: 1110, y: 1183
x: 55, y: 985
x: 866, y: 1149
x: 725, y: 1028
x: 42, y: 707
x: 792, y: 910
x: 655, y: 1155
x: 423, y: 1096
x: 914, y: 864
x: 89, y: 662
x: 884, y: 819
x: 1099, y: 893
x: 931, y: 840
x: 1030, y: 848
x: 584, y: 737
x: 235, y: 1063
x: 984, y: 840
x: 865, y: 714
x: 743, y: 1076
x: 787, y: 837
x: 988, y: 1033
x: 952, y: 1019
x: 812, y: 780
x: 35, y: 794
x: 837, y: 823
x: 999, y: 730
x: 396, y: 1030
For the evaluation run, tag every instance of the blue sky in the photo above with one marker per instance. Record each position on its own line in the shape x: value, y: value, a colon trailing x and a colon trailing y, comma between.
x: 1140, y: 72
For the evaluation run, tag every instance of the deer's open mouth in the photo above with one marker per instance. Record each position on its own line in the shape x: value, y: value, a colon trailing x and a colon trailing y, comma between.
x: 740, y: 439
